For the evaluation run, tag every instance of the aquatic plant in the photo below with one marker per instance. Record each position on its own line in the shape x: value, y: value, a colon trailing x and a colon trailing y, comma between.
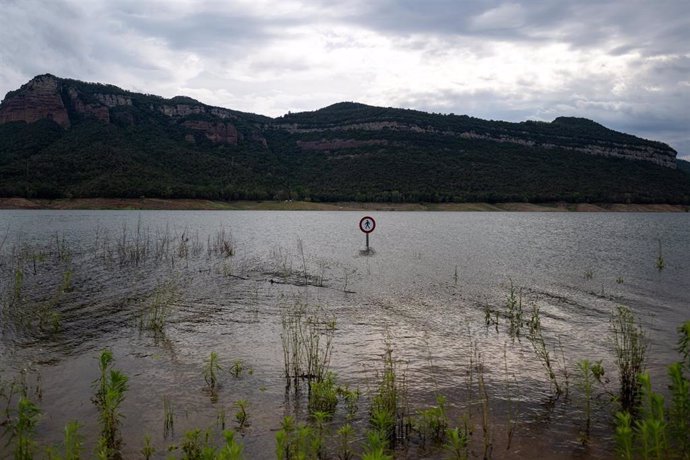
x: 196, y: 445
x: 148, y: 450
x: 18, y: 285
x: 241, y: 416
x: 514, y: 310
x: 457, y: 444
x: 323, y: 395
x: 232, y: 450
x: 66, y: 285
x: 586, y: 378
x: 158, y: 306
x: 168, y: 418
x: 536, y: 338
x: 630, y: 348
x: 624, y: 435
x: 376, y: 446
x: 110, y: 392
x: 210, y: 372
x: 307, y: 338
x: 23, y: 429
x: 344, y: 449
x: 389, y: 413
x: 295, y: 441
x: 72, y: 445
x: 237, y: 368
x: 432, y: 423
x: 351, y: 398
x: 660, y: 263
x: 300, y: 249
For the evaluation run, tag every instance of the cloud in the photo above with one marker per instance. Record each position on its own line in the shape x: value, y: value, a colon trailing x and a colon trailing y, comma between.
x: 624, y: 63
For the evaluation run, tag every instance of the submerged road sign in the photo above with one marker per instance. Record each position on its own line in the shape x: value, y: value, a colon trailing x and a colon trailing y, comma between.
x: 367, y: 224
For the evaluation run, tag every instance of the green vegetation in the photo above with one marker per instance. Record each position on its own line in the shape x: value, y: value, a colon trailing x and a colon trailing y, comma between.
x: 630, y: 347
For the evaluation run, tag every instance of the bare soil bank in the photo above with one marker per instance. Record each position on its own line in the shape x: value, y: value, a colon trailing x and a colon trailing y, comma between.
x: 184, y: 204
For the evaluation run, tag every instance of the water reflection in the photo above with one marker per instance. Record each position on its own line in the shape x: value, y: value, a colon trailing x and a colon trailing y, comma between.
x: 425, y: 289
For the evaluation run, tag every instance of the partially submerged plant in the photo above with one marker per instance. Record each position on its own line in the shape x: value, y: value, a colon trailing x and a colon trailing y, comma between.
x: 168, y: 418
x: 587, y: 375
x: 237, y: 368
x: 389, y: 415
x: 660, y: 263
x: 514, y: 310
x: 536, y: 338
x: 110, y: 392
x: 211, y: 370
x: 630, y: 346
x: 458, y: 442
x: 241, y: 416
x: 307, y: 338
x: 323, y: 395
x: 432, y: 423
x: 23, y: 429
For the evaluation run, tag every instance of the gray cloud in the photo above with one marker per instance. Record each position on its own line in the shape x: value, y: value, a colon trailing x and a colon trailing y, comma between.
x: 247, y: 55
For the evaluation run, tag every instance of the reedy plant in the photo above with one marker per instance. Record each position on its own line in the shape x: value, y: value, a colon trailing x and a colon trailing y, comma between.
x: 110, y: 392
x: 323, y: 395
x: 168, y: 418
x: 72, y: 444
x: 345, y: 434
x: 23, y: 429
x: 295, y: 441
x: 630, y: 347
x: 432, y: 423
x: 307, y: 339
x: 660, y: 263
x: 241, y: 416
x: 514, y: 310
x: 389, y: 412
x: 158, y: 307
x: 232, y: 450
x: 457, y: 443
x: 148, y: 450
x: 536, y: 338
x: 237, y: 368
x: 375, y: 447
x: 210, y: 372
x: 587, y: 376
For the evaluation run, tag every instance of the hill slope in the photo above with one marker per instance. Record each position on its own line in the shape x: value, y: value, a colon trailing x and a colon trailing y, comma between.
x: 62, y: 137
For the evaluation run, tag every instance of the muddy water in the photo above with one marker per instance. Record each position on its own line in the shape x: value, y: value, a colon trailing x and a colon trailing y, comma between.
x: 425, y: 290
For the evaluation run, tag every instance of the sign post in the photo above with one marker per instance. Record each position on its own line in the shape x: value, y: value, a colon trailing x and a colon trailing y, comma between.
x: 367, y: 225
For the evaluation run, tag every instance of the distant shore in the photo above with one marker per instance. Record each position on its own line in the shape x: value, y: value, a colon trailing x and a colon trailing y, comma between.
x: 189, y: 204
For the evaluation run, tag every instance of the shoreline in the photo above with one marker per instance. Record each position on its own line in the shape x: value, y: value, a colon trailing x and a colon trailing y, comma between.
x: 197, y: 204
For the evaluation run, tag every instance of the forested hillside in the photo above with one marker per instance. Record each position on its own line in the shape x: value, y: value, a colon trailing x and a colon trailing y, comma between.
x: 65, y: 138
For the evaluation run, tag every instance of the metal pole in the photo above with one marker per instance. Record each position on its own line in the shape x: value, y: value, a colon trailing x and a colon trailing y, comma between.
x: 367, y: 242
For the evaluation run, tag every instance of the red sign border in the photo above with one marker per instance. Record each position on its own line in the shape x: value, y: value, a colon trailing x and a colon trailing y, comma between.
x: 363, y: 219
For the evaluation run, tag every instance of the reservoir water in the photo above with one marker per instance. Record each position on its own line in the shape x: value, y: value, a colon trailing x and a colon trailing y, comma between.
x: 432, y: 291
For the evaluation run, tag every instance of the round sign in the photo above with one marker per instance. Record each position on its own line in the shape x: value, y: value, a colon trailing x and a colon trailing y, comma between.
x: 367, y: 224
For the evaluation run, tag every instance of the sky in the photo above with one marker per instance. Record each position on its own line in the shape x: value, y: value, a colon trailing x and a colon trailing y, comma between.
x: 622, y: 63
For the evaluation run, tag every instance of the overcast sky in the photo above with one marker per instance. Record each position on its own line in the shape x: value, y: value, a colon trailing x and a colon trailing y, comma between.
x: 625, y: 64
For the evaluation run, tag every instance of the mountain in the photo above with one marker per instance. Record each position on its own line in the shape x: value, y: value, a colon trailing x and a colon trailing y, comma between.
x: 66, y: 138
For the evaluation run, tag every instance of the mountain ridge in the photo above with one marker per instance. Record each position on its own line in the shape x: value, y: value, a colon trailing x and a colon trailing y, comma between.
x: 181, y: 147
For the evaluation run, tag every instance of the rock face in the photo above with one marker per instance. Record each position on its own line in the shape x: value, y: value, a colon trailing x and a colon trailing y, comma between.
x: 342, y: 126
x: 37, y: 100
x: 216, y: 132
x: 96, y: 110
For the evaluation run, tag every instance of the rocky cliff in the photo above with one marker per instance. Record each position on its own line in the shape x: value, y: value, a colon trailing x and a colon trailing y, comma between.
x: 343, y: 126
x: 67, y: 138
x: 38, y: 99
x: 62, y: 100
